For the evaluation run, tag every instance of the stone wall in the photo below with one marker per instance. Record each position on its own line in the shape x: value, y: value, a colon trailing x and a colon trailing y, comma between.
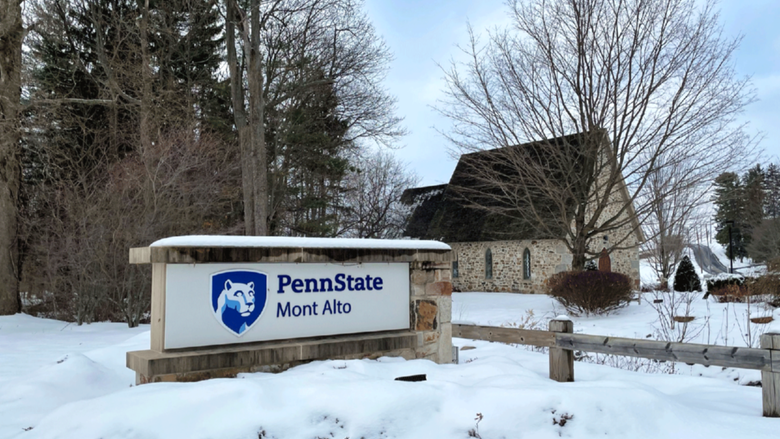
x: 548, y: 257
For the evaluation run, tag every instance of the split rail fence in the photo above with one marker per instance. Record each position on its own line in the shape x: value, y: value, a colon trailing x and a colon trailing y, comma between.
x: 562, y: 341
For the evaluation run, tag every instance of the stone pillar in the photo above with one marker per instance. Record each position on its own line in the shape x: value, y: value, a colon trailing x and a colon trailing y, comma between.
x: 431, y: 309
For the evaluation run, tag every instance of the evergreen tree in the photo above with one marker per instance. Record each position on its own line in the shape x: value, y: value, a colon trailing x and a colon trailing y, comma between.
x: 686, y: 279
x: 87, y: 63
x: 729, y: 202
x: 772, y: 191
x: 309, y: 140
x: 88, y: 155
x: 753, y: 203
x: 186, y: 42
x: 89, y: 128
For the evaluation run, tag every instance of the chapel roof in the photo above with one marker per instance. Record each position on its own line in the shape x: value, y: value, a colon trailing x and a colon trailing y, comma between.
x: 442, y: 212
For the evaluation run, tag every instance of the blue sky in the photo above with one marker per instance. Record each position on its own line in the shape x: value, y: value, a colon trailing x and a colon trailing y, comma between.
x: 422, y: 34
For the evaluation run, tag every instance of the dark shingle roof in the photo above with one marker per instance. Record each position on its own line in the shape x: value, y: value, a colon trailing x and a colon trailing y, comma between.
x: 424, y: 202
x: 445, y: 216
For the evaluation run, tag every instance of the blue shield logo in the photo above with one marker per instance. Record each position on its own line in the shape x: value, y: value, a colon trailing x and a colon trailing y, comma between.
x: 238, y: 298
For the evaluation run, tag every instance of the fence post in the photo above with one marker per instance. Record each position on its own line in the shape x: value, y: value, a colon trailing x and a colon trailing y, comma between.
x: 561, y: 360
x: 770, y: 380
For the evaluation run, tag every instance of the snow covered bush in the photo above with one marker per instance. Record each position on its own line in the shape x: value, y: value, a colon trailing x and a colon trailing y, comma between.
x: 723, y: 280
x: 731, y: 294
x: 728, y: 288
x: 590, y: 292
x: 686, y: 279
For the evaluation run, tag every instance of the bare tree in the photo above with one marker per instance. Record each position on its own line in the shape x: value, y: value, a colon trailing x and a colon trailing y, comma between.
x: 250, y: 141
x: 11, y: 35
x: 677, y: 196
x: 79, y: 230
x: 765, y: 245
x: 638, y: 86
x: 373, y: 199
x: 277, y: 53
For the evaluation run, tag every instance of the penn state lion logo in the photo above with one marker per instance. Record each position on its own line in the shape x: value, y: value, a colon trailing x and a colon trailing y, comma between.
x: 238, y: 298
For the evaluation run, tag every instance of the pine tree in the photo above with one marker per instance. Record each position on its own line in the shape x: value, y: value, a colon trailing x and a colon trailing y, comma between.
x: 772, y: 191
x: 755, y: 195
x: 729, y: 202
x: 186, y: 41
x: 686, y: 278
x: 311, y: 138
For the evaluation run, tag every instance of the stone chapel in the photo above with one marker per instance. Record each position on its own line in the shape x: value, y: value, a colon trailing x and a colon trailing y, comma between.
x: 497, y: 254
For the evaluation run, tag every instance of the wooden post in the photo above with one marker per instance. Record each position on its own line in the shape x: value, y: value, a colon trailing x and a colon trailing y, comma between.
x: 159, y: 272
x: 770, y: 380
x: 561, y: 360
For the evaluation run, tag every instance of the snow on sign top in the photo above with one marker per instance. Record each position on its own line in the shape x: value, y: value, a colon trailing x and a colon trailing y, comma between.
x: 297, y: 242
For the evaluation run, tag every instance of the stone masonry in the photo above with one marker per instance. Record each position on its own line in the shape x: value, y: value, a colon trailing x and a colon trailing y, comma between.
x: 431, y: 309
x: 548, y: 256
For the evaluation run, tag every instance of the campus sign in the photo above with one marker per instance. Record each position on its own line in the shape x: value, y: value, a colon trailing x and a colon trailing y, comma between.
x: 218, y: 304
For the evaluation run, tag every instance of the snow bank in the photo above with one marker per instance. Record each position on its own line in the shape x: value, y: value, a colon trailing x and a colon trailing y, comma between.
x: 87, y: 393
x: 297, y: 242
x: 46, y: 364
x: 359, y: 398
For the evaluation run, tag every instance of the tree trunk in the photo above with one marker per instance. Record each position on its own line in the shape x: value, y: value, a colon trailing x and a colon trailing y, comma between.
x: 580, y: 241
x: 144, y: 125
x: 578, y: 254
x: 256, y: 108
x: 11, y: 33
x: 240, y: 118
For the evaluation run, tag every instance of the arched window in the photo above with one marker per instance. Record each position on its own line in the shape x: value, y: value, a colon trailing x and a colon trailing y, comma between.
x: 488, y: 264
x: 527, y: 264
x: 455, y: 269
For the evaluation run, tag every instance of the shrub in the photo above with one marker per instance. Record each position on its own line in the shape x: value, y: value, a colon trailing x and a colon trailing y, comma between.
x: 591, y: 266
x: 650, y: 287
x: 686, y: 279
x: 723, y: 280
x: 769, y: 284
x: 730, y: 287
x: 730, y: 293
x: 590, y: 292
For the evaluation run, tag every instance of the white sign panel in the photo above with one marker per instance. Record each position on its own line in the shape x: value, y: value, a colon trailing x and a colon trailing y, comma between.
x: 218, y: 304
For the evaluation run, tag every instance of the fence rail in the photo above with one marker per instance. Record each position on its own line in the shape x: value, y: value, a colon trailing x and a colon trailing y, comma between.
x: 742, y: 358
x: 563, y: 342
x: 545, y: 339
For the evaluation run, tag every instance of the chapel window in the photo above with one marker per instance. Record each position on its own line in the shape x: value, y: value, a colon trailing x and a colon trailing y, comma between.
x: 527, y: 264
x: 488, y: 264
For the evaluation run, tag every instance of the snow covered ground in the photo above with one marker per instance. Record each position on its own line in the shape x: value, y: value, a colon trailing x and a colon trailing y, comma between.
x: 64, y: 381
